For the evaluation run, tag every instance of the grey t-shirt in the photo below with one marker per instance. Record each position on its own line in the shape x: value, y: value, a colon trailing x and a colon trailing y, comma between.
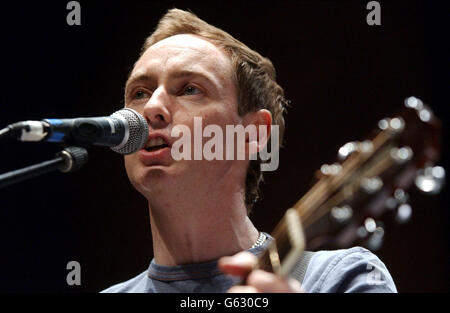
x: 348, y: 270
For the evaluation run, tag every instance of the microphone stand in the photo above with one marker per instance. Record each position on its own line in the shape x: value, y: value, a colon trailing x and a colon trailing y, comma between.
x: 68, y: 160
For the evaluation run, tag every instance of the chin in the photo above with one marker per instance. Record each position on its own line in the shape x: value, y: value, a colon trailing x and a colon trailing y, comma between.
x: 151, y: 179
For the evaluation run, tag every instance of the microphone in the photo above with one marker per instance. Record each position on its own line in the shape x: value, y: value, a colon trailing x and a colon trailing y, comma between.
x: 124, y: 131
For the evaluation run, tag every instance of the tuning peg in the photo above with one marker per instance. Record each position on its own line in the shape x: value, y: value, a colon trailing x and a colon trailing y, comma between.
x: 347, y: 149
x: 341, y: 214
x: 365, y: 146
x: 431, y: 179
x: 403, y: 214
x: 371, y: 185
x: 330, y: 170
x: 376, y: 240
x: 424, y: 113
x: 401, y: 155
x: 398, y: 197
x: 414, y: 103
x: 374, y: 232
x: 350, y: 147
x: 396, y: 124
x: 401, y: 196
x: 398, y: 202
x: 383, y: 124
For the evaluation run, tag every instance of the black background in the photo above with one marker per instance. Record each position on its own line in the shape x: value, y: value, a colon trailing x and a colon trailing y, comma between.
x: 341, y: 75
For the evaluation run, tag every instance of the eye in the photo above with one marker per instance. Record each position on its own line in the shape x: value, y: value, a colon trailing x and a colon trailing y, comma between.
x: 191, y: 90
x: 140, y: 94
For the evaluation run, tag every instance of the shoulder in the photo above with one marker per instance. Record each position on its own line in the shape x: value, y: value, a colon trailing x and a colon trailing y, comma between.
x: 136, y: 284
x: 347, y: 270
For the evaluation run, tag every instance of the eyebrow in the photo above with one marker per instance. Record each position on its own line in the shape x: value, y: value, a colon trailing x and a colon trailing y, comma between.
x: 175, y: 75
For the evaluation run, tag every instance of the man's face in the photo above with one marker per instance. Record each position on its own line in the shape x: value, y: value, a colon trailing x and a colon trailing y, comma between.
x: 175, y: 80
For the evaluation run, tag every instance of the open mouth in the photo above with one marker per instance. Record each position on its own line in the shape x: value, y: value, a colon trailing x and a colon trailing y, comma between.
x: 156, y: 144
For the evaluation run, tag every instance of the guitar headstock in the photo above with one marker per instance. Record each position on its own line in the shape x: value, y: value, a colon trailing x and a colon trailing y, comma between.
x: 370, y: 179
x: 352, y: 196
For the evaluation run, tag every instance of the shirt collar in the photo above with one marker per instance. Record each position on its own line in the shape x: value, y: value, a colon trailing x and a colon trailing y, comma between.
x: 196, y: 270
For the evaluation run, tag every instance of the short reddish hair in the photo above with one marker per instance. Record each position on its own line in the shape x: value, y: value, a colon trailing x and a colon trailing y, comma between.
x: 255, y: 78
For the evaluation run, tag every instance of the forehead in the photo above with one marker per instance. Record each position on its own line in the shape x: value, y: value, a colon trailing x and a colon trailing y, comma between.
x: 184, y: 52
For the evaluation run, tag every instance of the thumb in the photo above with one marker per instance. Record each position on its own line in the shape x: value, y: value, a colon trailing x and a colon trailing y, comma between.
x: 240, y: 264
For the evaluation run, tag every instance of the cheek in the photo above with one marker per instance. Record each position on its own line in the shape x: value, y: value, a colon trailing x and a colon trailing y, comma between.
x: 130, y: 166
x: 220, y: 116
x: 135, y: 172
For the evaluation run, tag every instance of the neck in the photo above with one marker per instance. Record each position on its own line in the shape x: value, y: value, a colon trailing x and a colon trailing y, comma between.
x: 202, y: 229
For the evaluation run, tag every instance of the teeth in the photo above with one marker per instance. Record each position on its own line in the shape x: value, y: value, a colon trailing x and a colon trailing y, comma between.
x: 155, y: 142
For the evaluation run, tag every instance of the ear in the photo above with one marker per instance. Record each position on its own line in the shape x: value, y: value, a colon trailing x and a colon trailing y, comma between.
x: 262, y: 119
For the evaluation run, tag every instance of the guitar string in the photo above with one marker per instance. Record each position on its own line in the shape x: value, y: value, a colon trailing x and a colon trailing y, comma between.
x: 319, y: 192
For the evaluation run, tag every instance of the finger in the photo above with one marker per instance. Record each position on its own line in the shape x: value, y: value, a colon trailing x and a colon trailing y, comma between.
x: 239, y: 264
x: 295, y: 285
x: 242, y: 289
x: 270, y: 283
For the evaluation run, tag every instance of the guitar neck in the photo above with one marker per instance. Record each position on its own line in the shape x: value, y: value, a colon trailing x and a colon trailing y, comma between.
x: 371, y: 172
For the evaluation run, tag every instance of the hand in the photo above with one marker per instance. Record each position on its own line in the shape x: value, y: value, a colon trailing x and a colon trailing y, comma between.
x: 243, y: 264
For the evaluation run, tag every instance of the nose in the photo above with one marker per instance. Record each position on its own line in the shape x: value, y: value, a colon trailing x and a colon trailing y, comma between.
x: 156, y: 111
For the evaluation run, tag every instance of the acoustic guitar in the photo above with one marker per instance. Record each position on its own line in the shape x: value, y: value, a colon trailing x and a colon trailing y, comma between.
x: 368, y: 181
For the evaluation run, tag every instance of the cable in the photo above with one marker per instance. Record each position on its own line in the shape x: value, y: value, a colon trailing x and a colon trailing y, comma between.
x: 14, y: 130
x: 5, y: 132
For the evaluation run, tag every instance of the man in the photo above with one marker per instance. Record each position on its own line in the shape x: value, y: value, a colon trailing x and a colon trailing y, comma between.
x: 199, y: 208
